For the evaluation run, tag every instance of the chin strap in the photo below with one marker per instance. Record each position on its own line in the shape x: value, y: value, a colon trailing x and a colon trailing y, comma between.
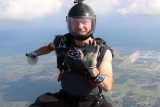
x: 81, y: 37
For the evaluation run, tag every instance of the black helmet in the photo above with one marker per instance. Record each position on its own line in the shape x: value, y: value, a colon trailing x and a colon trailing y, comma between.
x: 81, y: 11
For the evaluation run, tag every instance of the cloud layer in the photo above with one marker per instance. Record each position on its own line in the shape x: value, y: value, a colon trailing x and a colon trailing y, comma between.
x: 27, y: 9
x: 32, y: 9
x: 136, y: 7
x: 139, y: 7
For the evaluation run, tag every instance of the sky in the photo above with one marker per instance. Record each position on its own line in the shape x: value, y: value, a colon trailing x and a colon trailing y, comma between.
x: 23, y: 13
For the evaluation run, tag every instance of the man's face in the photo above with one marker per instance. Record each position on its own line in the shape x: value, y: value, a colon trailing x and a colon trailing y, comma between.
x: 81, y: 26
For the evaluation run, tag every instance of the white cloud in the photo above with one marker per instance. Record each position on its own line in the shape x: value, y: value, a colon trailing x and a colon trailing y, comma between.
x: 139, y: 7
x: 102, y: 7
x: 32, y: 9
x: 27, y: 9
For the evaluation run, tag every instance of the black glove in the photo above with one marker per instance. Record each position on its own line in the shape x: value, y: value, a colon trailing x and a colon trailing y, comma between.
x: 90, y: 58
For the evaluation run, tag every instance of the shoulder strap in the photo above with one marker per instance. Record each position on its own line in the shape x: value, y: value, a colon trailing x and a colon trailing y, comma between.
x: 103, y: 48
x: 102, y: 43
x: 62, y: 44
x: 62, y: 41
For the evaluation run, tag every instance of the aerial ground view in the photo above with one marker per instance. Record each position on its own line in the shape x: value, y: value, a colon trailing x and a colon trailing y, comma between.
x: 136, y: 80
x: 136, y: 83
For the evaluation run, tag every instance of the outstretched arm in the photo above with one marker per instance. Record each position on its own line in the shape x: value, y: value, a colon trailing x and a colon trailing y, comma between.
x: 45, y: 49
x: 32, y: 57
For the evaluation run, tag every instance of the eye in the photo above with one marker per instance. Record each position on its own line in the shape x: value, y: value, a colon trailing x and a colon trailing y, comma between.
x: 86, y: 21
x: 83, y: 21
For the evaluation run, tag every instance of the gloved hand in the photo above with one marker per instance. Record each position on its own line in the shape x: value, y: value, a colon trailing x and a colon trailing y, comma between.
x: 90, y: 58
x: 32, y: 58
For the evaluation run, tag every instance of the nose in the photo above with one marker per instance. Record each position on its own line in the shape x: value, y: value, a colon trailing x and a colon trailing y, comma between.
x: 80, y: 25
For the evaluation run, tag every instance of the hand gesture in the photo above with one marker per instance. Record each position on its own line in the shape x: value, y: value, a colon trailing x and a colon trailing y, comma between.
x: 89, y: 59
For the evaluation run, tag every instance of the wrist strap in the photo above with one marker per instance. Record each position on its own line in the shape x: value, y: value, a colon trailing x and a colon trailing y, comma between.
x: 92, y: 67
x: 99, y: 78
